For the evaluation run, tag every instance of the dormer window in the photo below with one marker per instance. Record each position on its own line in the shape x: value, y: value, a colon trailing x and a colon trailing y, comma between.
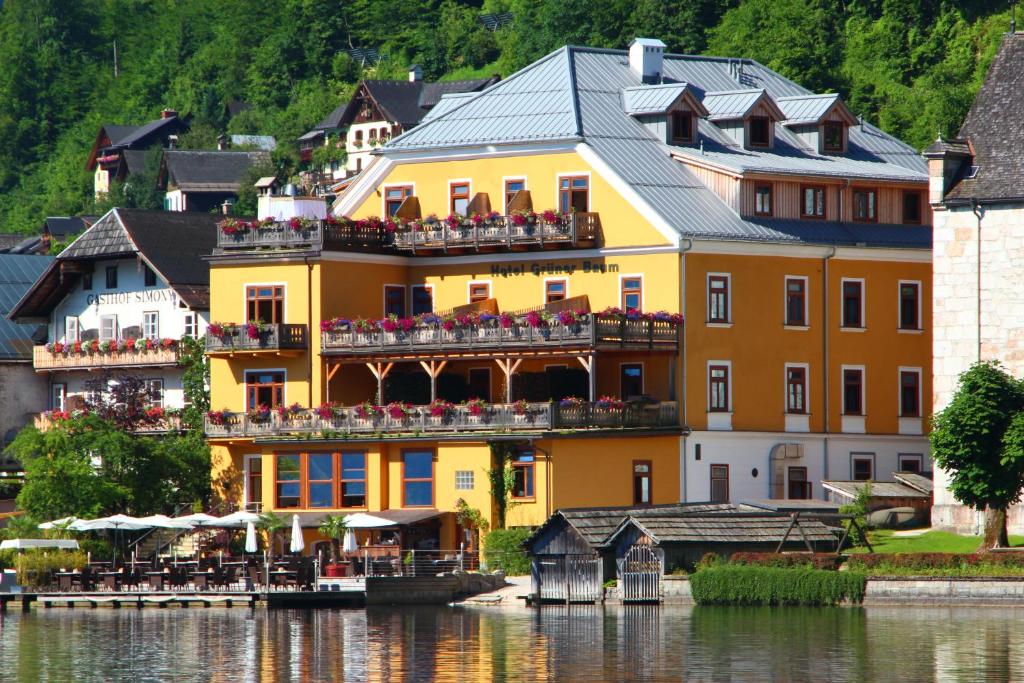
x: 833, y: 136
x: 682, y: 127
x: 759, y: 131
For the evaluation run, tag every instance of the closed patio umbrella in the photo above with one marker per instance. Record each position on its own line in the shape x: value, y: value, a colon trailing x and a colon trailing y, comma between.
x: 297, y: 543
x: 250, y: 538
x: 349, y: 545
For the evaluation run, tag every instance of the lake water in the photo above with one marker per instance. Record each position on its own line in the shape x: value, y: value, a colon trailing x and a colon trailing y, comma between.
x: 575, y: 644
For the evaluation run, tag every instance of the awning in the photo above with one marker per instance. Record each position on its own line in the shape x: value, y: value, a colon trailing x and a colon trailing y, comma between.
x: 27, y: 543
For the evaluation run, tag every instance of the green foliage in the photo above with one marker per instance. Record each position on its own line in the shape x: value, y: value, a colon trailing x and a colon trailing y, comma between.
x: 502, y: 480
x: 939, y: 564
x: 89, y: 467
x: 979, y: 438
x: 749, y: 585
x: 858, y: 507
x: 334, y: 528
x: 503, y: 549
x: 787, y: 560
x: 883, y: 541
x: 273, y: 524
x: 36, y: 567
x: 195, y: 379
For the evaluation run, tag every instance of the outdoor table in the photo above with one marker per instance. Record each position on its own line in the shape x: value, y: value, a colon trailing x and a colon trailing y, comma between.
x: 279, y: 577
x: 112, y: 580
x: 157, y: 579
x: 64, y: 581
x: 201, y: 580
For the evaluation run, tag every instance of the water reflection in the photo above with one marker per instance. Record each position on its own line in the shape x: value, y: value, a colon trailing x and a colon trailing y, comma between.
x: 581, y: 643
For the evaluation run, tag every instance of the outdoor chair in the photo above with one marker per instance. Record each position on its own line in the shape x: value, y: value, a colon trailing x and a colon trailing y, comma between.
x: 255, y: 576
x: 86, y: 580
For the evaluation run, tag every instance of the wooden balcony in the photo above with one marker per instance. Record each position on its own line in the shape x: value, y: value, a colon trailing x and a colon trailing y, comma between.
x: 505, y: 233
x: 315, y: 235
x: 45, y: 360
x: 493, y: 418
x: 589, y: 332
x: 279, y: 337
x: 171, y: 423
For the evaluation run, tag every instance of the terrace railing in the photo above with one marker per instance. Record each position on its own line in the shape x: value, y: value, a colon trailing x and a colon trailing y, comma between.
x: 588, y: 331
x: 506, y: 417
x: 501, y: 231
x: 46, y: 359
x: 314, y: 235
x: 170, y: 423
x: 278, y: 337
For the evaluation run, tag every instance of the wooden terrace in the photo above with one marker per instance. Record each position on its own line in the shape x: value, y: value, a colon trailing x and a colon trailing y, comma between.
x: 277, y: 337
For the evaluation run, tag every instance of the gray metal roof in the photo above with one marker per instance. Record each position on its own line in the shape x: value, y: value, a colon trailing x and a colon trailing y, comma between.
x: 447, y: 102
x: 266, y: 143
x: 879, y: 489
x: 17, y: 275
x: 651, y: 99
x: 734, y: 104
x: 806, y: 108
x: 576, y: 94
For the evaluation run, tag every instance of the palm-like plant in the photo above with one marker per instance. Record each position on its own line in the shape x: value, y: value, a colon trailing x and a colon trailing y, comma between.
x: 334, y: 528
x: 272, y: 523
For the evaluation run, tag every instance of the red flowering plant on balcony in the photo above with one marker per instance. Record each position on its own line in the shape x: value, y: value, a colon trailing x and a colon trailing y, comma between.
x: 478, y: 219
x: 440, y: 407
x: 454, y: 221
x: 571, y: 318
x: 233, y: 226
x: 218, y: 329
x: 129, y: 344
x: 571, y: 402
x: 218, y: 417
x: 523, y: 217
x: 55, y: 347
x: 368, y: 411
x: 327, y: 411
x: 521, y: 407
x: 333, y: 324
x: 554, y: 217
x: 393, y: 323
x: 609, y: 403
x: 260, y: 413
x: 301, y: 224
x: 365, y: 326
x: 155, y: 413
x: 77, y: 347
x: 254, y: 328
x: 289, y: 412
x: 391, y: 225
x: 475, y: 406
x: 538, y: 319
x: 506, y: 320
x: 397, y: 410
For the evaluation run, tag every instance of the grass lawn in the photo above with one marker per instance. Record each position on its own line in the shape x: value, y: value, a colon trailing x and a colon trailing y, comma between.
x: 883, y: 541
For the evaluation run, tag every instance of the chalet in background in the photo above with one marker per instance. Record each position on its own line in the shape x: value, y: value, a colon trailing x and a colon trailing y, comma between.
x: 120, y: 150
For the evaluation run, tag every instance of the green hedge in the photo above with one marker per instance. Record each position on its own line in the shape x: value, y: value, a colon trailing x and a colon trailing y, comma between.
x: 503, y: 549
x: 750, y: 585
x: 939, y: 564
x: 788, y: 560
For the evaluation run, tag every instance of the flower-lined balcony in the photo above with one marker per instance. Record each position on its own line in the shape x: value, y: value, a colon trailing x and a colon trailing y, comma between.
x: 89, y: 355
x: 302, y: 233
x: 157, y: 420
x: 489, y: 231
x: 430, y: 334
x: 329, y: 421
x: 255, y: 336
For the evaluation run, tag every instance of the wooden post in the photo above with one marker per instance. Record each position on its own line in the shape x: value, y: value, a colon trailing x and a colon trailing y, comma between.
x: 588, y: 364
x: 380, y: 371
x: 433, y: 370
x: 332, y: 370
x: 792, y: 523
x: 509, y: 368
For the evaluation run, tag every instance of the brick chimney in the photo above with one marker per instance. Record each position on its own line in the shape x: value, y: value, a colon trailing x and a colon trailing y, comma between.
x: 168, y: 113
x: 945, y: 158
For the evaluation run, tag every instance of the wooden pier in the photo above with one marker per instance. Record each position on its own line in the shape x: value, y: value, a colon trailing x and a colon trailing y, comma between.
x: 185, y: 599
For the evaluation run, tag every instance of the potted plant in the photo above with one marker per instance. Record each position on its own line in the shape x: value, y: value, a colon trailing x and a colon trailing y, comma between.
x: 475, y: 407
x: 334, y: 528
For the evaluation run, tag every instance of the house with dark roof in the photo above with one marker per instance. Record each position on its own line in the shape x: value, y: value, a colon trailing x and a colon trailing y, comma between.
x: 22, y: 390
x: 977, y: 194
x: 120, y: 150
x: 202, y: 180
x: 117, y: 301
x: 377, y: 111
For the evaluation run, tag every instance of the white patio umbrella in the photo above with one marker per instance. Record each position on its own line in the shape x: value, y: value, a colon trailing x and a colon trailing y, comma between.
x: 362, y: 520
x: 199, y: 519
x: 349, y: 545
x: 250, y: 538
x: 115, y: 522
x: 165, y: 522
x: 236, y: 520
x: 297, y: 543
x: 62, y: 522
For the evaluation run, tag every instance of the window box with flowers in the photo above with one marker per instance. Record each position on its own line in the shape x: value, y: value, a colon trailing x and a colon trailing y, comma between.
x: 259, y: 414
x: 476, y: 410
x: 368, y: 412
x: 292, y: 415
x: 440, y: 411
x: 399, y: 412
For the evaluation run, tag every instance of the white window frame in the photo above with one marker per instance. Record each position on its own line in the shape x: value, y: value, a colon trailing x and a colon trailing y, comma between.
x: 153, y: 382
x: 807, y: 302
x: 190, y: 321
x: 728, y: 385
x: 59, y: 391
x: 70, y: 338
x: 643, y: 288
x: 728, y: 300
x: 863, y: 304
x: 412, y: 295
x: 469, y: 197
x: 156, y: 324
x: 899, y: 307
x: 574, y: 174
x: 855, y: 455
x: 112, y: 317
x: 807, y: 387
x: 863, y: 389
x: 504, y: 181
x: 384, y: 297
x: 899, y: 391
x: 469, y: 289
x: 544, y: 287
x: 900, y: 457
x: 466, y: 482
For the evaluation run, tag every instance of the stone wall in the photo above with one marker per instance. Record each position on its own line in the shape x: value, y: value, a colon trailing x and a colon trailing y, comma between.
x: 977, y: 592
x: 961, y: 331
x: 23, y: 394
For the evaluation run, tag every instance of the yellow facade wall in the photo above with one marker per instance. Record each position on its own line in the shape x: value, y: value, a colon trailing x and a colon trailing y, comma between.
x: 621, y: 223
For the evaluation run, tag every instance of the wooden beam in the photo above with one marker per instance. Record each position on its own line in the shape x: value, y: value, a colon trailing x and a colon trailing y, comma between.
x: 588, y: 364
x: 433, y: 369
x: 380, y: 371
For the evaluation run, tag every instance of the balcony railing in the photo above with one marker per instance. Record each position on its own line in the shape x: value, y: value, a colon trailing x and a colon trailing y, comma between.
x: 171, y: 423
x: 501, y: 231
x: 316, y: 235
x: 503, y: 417
x: 588, y: 331
x: 278, y: 337
x: 44, y: 358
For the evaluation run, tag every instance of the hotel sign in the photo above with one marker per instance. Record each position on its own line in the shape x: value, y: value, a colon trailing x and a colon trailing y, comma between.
x: 147, y: 297
x: 538, y: 269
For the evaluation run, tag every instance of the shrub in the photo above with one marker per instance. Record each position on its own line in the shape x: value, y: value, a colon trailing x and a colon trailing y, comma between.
x: 708, y: 560
x: 788, y: 560
x: 35, y: 568
x: 939, y: 564
x: 503, y: 549
x: 7, y: 559
x: 749, y: 585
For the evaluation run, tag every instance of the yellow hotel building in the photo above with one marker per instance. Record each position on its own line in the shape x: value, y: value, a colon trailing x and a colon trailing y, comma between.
x: 545, y: 233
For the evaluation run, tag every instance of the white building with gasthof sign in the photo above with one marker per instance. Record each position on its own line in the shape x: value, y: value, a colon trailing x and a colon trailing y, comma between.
x: 118, y: 301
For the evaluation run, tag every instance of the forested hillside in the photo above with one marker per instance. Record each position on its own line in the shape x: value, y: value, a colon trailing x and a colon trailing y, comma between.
x: 912, y: 66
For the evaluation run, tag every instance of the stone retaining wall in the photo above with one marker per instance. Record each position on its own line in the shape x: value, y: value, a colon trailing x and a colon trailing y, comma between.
x: 924, y: 591
x: 428, y: 590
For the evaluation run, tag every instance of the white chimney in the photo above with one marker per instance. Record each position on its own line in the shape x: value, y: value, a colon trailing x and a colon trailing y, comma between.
x: 415, y: 73
x: 645, y: 57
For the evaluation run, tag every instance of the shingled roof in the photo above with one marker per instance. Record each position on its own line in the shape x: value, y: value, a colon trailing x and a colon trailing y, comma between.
x: 206, y: 170
x: 575, y: 96
x: 667, y: 527
x: 994, y: 129
x: 172, y: 243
